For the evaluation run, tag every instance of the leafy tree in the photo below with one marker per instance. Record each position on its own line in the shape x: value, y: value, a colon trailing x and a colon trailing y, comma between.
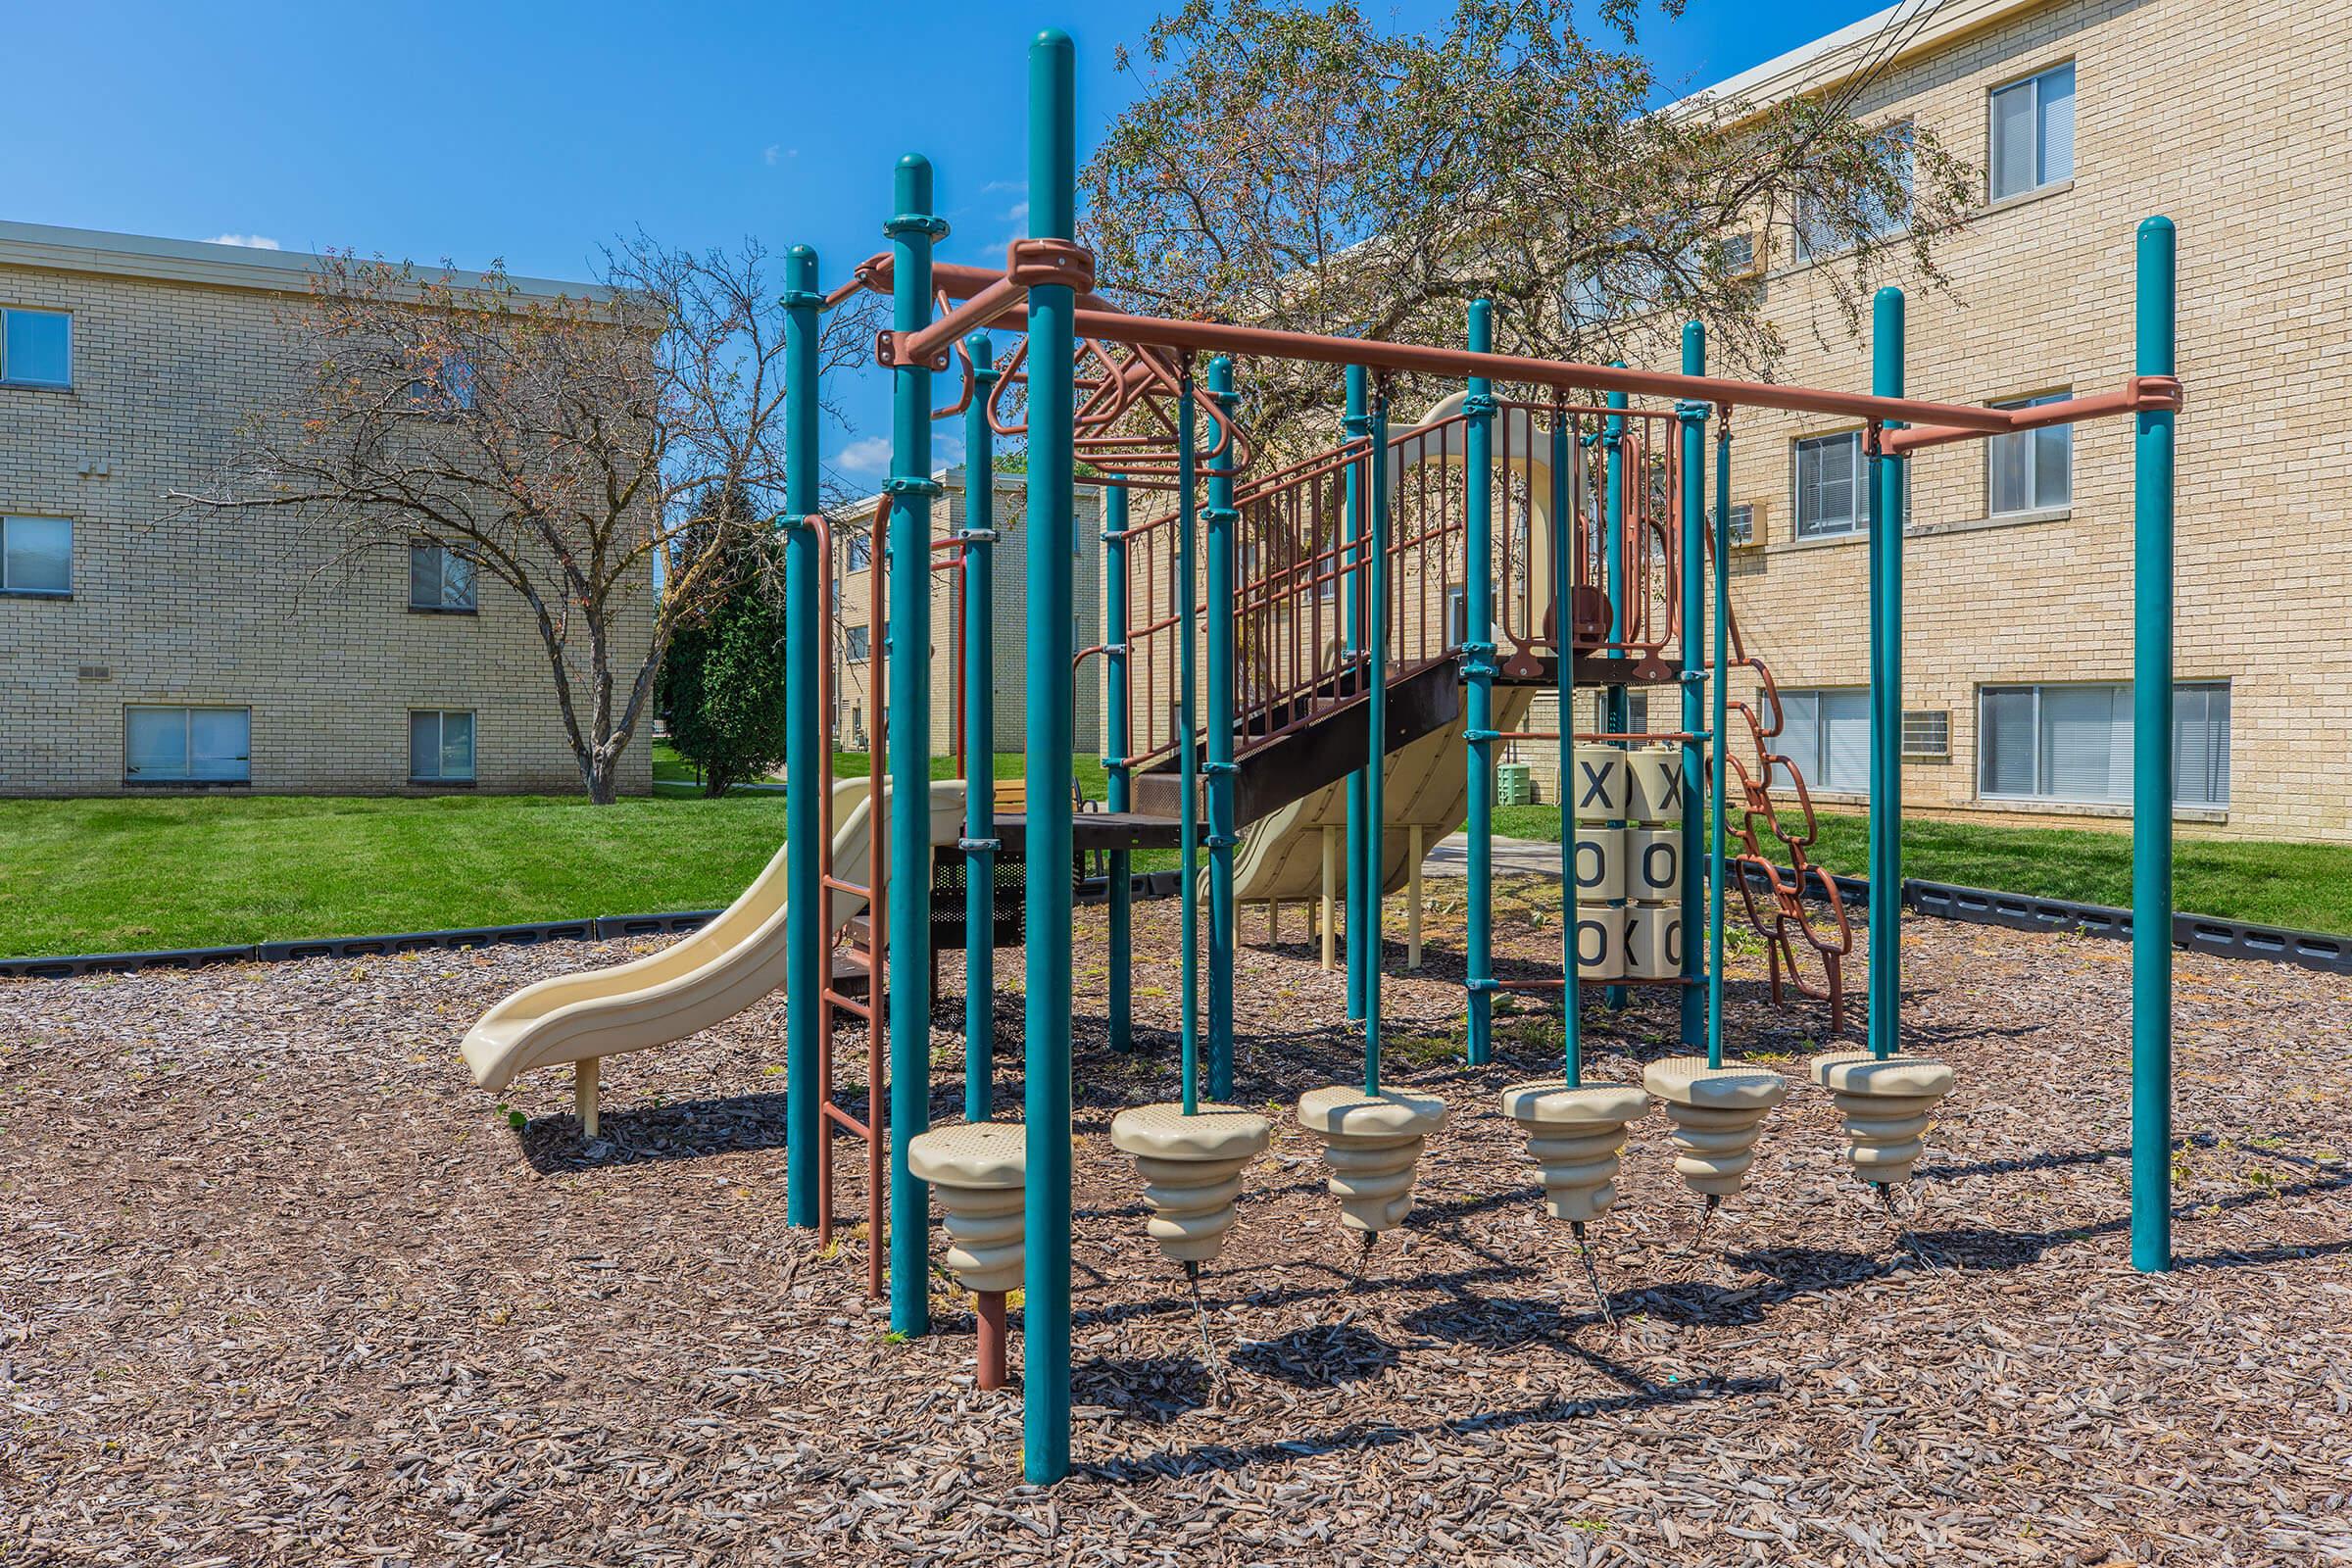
x: 560, y: 446
x: 1291, y: 164
x: 723, y: 681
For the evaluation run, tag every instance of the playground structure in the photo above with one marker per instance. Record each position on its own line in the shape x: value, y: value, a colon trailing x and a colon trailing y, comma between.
x: 1275, y: 645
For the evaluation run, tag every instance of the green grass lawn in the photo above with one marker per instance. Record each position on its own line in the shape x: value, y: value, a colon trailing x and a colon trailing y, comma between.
x: 2303, y: 886
x: 215, y: 871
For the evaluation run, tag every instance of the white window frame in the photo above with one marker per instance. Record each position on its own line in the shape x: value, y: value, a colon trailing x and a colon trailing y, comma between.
x: 472, y: 601
x: 12, y: 589
x: 2030, y: 84
x: 1858, y: 522
x: 441, y: 717
x: 1993, y: 449
x: 187, y: 712
x: 9, y: 379
x: 2121, y: 692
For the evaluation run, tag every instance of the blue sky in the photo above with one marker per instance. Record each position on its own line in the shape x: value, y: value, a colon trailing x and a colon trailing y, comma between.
x: 533, y: 131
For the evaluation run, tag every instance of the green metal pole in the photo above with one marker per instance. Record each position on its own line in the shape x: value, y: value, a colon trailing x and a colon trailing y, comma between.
x: 912, y: 231
x: 979, y: 739
x: 1620, y: 714
x: 1692, y: 416
x: 1045, y: 1213
x: 1886, y: 694
x: 1188, y: 679
x: 1361, y: 951
x: 1717, y: 728
x: 1563, y: 619
x: 1376, y: 643
x: 1478, y: 676
x: 804, y: 577
x: 1117, y: 741
x: 1223, y: 834
x: 2152, y: 766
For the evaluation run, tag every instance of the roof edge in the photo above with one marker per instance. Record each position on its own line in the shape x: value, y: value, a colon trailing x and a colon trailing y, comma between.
x: 181, y: 260
x: 1835, y: 57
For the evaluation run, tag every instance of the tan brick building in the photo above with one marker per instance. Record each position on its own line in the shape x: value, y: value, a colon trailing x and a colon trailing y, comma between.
x: 2233, y: 117
x: 144, y: 650
x: 1008, y: 607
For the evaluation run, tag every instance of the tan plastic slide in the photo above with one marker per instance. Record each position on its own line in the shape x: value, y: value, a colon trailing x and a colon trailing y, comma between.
x: 1424, y: 785
x: 706, y: 979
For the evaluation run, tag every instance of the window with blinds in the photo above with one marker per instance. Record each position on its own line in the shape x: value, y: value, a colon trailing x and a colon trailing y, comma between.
x: 1827, y: 735
x: 2073, y: 744
x: 2033, y: 134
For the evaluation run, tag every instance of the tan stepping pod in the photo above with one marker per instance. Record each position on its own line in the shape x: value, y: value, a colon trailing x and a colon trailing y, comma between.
x: 1599, y: 863
x: 1888, y: 1105
x: 977, y: 1171
x: 1655, y: 784
x: 1653, y: 941
x: 1653, y: 864
x: 1372, y: 1144
x: 1192, y: 1170
x: 1599, y: 940
x: 1597, y: 783
x: 1717, y: 1114
x: 1574, y: 1137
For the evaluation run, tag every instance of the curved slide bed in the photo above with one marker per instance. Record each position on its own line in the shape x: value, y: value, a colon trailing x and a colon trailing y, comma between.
x: 704, y: 979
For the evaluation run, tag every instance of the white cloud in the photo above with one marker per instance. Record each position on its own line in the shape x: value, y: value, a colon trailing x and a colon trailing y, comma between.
x: 777, y: 152
x: 1017, y: 212
x: 251, y: 242
x: 1005, y: 187
x: 869, y: 455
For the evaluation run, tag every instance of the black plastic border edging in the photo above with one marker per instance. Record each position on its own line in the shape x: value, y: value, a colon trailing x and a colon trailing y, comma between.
x: 1941, y: 901
x: 2016, y: 912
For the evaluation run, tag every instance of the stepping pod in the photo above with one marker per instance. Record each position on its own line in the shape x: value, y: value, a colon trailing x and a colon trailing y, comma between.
x: 1887, y: 1103
x: 1574, y: 1137
x: 1717, y: 1114
x: 978, y: 1171
x: 1372, y: 1144
x: 1192, y: 1171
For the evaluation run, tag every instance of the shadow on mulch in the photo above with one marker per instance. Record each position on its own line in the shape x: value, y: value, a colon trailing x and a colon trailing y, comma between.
x: 1154, y: 1389
x: 686, y: 1129
x: 1328, y: 1355
x: 1360, y: 1436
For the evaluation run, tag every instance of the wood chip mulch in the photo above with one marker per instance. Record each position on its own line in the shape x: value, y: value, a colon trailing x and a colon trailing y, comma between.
x: 278, y: 1285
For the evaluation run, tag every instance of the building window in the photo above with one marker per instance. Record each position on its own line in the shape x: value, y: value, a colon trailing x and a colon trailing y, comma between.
x: 2032, y: 132
x: 860, y: 553
x: 187, y: 744
x: 439, y: 578
x: 1831, y: 494
x: 1744, y: 523
x: 36, y: 348
x: 2031, y: 471
x: 858, y: 646
x: 2074, y: 742
x: 440, y: 747
x: 449, y: 390
x: 36, y: 556
x: 1818, y: 235
x: 1827, y: 735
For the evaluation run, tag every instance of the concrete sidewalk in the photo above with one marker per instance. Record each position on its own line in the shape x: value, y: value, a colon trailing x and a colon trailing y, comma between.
x: 1512, y: 858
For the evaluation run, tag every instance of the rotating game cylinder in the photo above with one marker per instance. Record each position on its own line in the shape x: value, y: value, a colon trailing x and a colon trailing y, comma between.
x: 1600, y: 941
x: 1599, y: 863
x: 1597, y: 788
x: 1655, y: 784
x: 1654, y: 863
x: 1653, y: 941
x: 1653, y: 917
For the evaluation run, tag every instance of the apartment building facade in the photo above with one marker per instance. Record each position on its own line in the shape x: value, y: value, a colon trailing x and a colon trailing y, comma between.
x: 857, y: 630
x: 2231, y: 117
x: 147, y: 648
